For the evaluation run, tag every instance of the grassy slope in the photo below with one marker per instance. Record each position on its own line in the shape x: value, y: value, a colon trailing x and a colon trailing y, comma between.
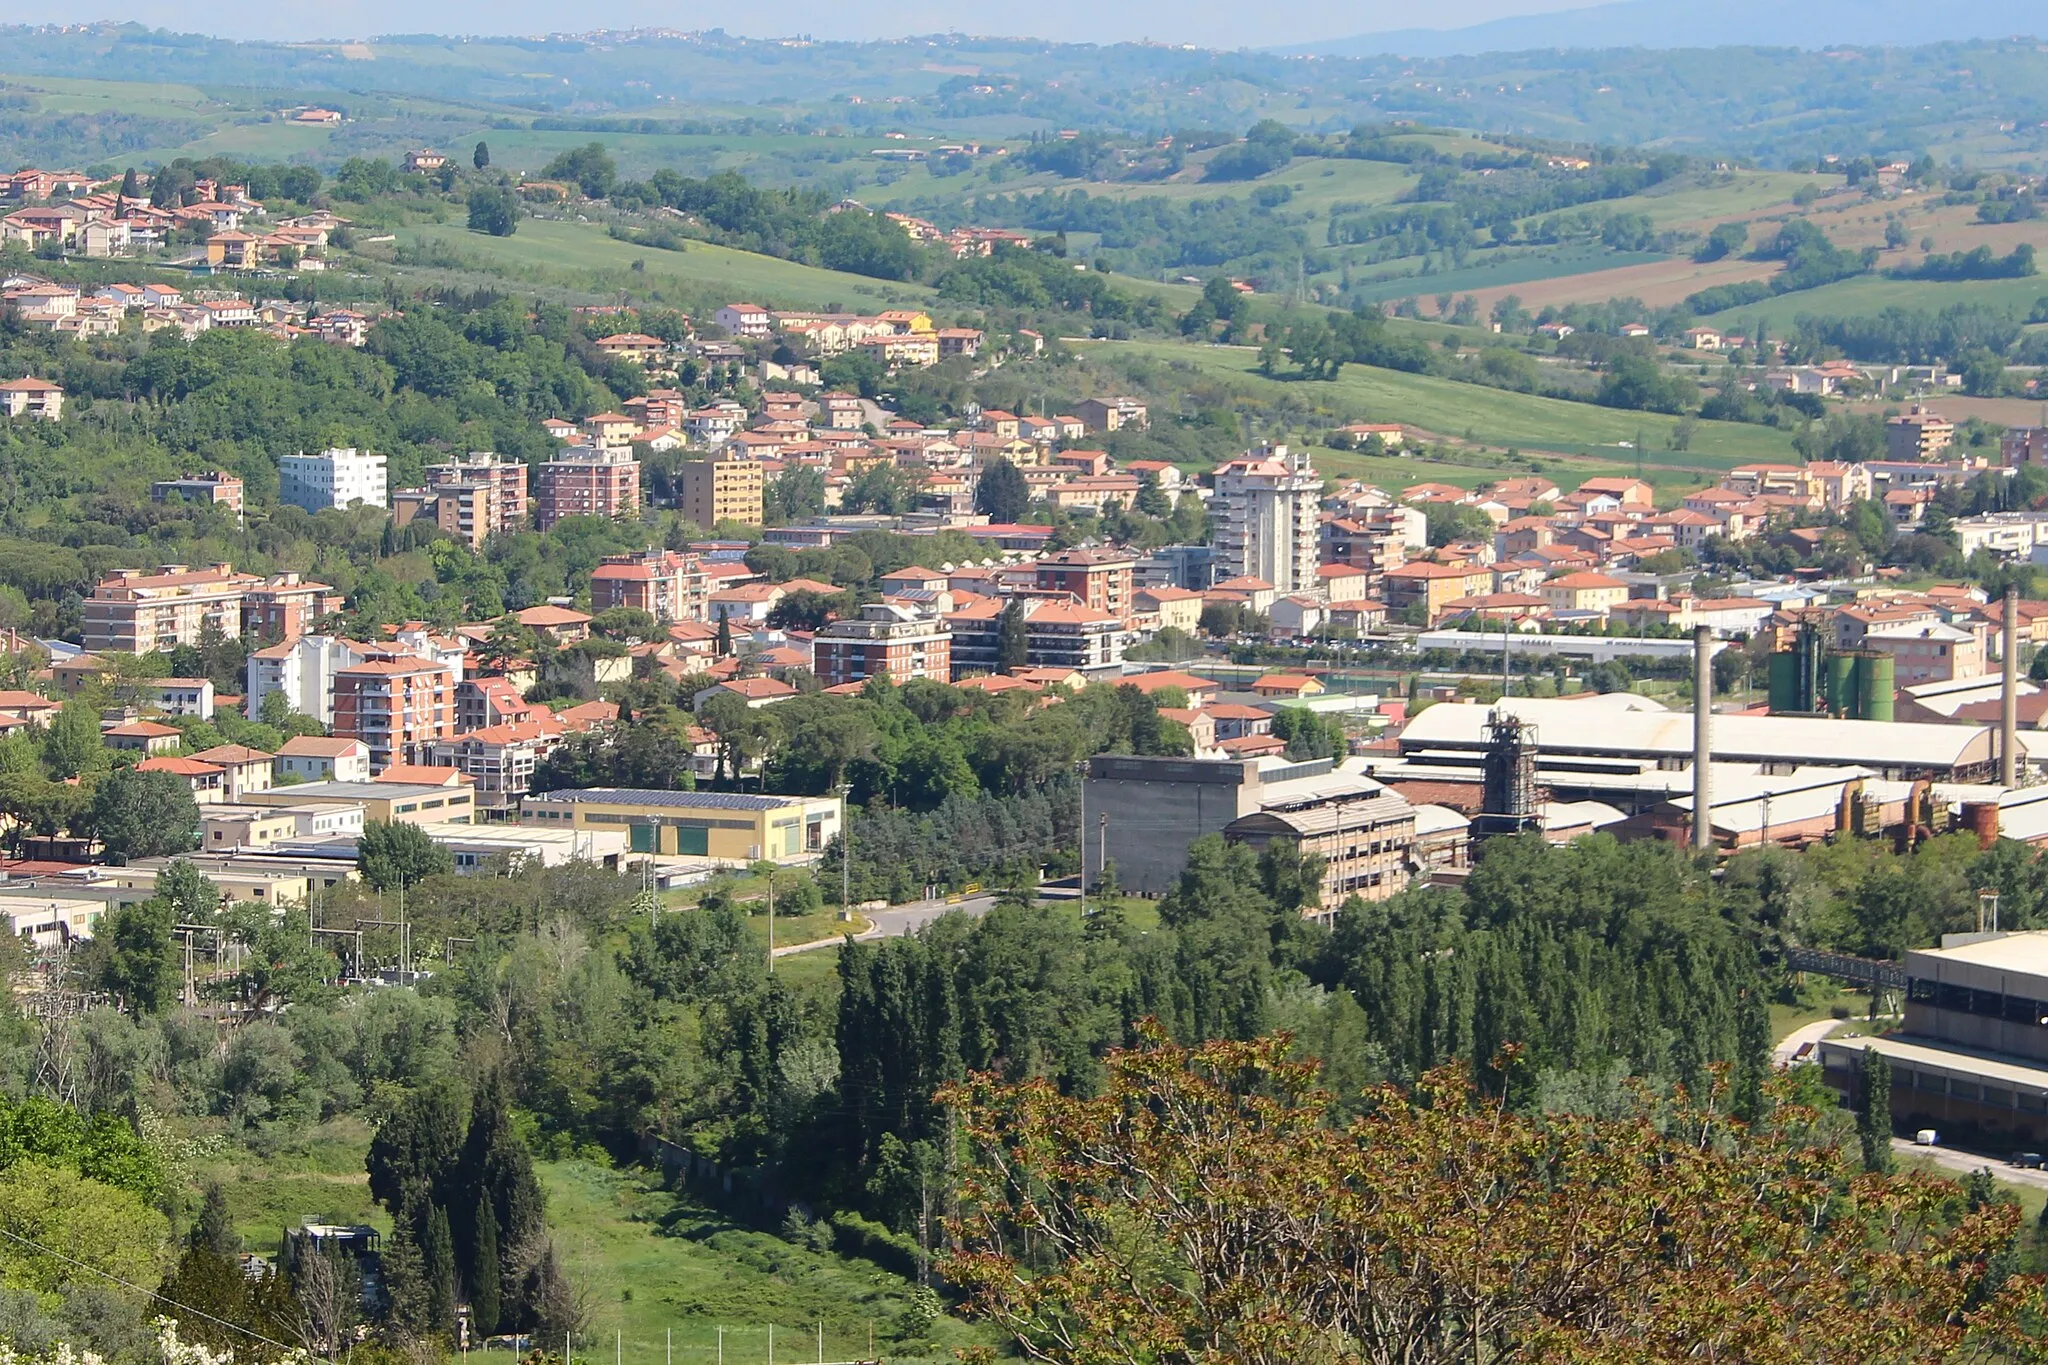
x: 324, y: 1180
x: 549, y: 251
x: 652, y: 1262
x: 1493, y: 417
x: 1873, y: 294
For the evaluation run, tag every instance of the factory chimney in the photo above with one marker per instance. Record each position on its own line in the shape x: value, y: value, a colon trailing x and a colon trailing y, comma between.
x: 2009, y: 697
x: 1702, y: 748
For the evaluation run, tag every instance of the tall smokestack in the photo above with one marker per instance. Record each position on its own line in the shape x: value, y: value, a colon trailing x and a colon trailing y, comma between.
x: 2009, y: 697
x: 1702, y: 747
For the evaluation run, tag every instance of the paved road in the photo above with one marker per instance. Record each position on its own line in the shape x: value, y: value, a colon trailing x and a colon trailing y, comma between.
x: 896, y: 921
x: 1789, y: 1045
x: 1957, y: 1162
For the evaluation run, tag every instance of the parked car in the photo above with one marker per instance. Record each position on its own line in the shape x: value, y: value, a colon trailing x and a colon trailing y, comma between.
x: 1926, y: 1137
x: 2029, y: 1160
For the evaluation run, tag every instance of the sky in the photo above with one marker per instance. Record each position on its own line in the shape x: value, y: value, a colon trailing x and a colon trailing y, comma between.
x: 1209, y: 23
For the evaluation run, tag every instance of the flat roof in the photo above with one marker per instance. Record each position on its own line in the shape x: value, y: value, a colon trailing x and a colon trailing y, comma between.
x: 2026, y: 951
x: 1927, y: 1056
x: 691, y: 800
x: 365, y: 791
x: 1564, y: 725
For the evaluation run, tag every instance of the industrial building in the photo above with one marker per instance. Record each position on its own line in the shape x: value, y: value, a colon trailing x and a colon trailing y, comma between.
x: 1579, y: 738
x: 1972, y: 1058
x: 728, y: 826
x: 1143, y: 813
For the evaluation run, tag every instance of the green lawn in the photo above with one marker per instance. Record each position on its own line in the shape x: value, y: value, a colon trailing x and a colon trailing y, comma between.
x: 581, y: 254
x: 653, y: 1263
x: 1483, y: 416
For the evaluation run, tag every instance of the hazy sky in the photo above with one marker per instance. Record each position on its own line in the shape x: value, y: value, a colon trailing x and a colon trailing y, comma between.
x: 1219, y: 23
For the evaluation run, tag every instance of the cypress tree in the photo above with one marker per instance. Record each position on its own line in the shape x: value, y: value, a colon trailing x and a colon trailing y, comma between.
x: 403, y: 1268
x: 1012, y: 643
x: 485, y: 1274
x: 724, y: 641
x: 437, y: 1257
x: 1874, y: 1124
x: 214, y: 1228
x: 1753, y: 1056
x: 481, y: 157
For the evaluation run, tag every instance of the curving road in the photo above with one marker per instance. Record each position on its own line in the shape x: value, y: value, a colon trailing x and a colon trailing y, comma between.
x: 896, y: 921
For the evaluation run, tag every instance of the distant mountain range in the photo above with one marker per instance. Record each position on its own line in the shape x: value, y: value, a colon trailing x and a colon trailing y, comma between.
x: 1674, y: 23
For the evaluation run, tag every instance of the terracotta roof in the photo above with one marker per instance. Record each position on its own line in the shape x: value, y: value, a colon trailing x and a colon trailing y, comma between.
x: 551, y: 616
x: 183, y: 767
x: 232, y: 753
x: 319, y: 746
x: 757, y: 689
x: 143, y: 729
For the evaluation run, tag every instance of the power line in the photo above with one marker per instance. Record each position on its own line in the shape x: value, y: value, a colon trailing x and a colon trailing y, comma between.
x: 147, y: 1293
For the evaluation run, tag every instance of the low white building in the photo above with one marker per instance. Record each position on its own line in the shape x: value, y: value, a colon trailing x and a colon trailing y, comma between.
x: 315, y: 758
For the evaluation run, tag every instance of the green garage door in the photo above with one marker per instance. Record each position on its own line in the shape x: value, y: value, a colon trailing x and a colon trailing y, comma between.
x: 695, y: 842
x: 643, y: 837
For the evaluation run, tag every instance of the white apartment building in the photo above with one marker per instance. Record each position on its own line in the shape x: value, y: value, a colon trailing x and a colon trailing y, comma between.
x: 303, y: 669
x: 1264, y: 513
x: 341, y: 477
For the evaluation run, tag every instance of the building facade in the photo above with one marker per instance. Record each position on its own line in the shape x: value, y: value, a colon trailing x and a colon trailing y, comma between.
x: 400, y: 708
x: 1971, y: 1060
x: 666, y: 585
x: 338, y: 477
x: 1265, y: 517
x: 137, y: 613
x: 728, y: 826
x: 1098, y: 579
x: 726, y: 487
x: 587, y: 481
x: 883, y: 641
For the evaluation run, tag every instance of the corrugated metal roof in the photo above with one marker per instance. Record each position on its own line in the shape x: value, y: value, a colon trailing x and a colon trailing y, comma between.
x: 1591, y: 727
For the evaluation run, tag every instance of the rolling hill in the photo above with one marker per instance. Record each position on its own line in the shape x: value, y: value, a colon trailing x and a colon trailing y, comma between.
x: 1741, y: 23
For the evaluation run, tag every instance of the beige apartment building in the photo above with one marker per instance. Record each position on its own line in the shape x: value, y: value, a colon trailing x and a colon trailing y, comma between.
x: 725, y: 487
x: 135, y: 612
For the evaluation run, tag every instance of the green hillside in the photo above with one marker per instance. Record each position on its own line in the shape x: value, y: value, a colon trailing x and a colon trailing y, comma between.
x: 1874, y: 293
x: 581, y: 255
x: 1482, y: 416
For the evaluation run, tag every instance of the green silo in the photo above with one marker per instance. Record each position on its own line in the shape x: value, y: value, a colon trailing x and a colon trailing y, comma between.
x: 1784, y: 682
x: 1876, y: 673
x: 1841, y: 677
